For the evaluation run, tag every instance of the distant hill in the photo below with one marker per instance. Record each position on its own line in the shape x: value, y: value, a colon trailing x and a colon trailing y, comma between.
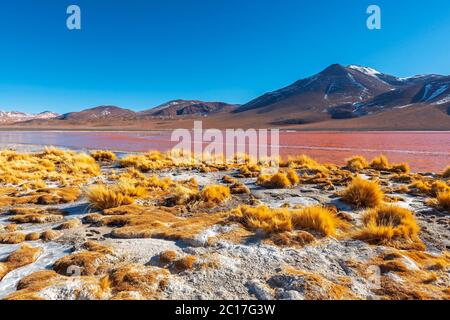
x: 8, y: 117
x: 177, y: 108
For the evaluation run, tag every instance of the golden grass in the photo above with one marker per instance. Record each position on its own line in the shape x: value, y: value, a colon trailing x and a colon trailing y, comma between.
x: 167, y: 256
x: 32, y: 171
x: 86, y: 263
x: 36, y: 218
x: 357, y: 163
x: 363, y: 194
x: 185, y: 263
x: 443, y: 199
x: 380, y: 163
x: 94, y: 246
x: 137, y: 278
x: 50, y: 235
x: 33, y: 236
x: 239, y: 188
x: 229, y: 180
x: 390, y: 225
x: 303, y: 162
x: 106, y: 197
x: 429, y: 187
x: 318, y: 219
x: 12, y: 238
x: 103, y: 156
x: 276, y: 181
x: 215, y: 194
x: 69, y: 224
x: 153, y: 160
x: 19, y: 258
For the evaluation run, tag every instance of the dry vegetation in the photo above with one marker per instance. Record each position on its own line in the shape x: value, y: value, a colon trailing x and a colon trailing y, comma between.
x: 390, y: 225
x: 133, y: 202
x: 363, y: 194
x: 316, y: 219
x: 22, y: 257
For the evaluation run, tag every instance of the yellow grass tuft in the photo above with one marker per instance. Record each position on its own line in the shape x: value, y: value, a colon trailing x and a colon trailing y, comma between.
x: 380, y: 163
x: 363, y: 194
x: 387, y: 224
x: 216, y: 194
x: 85, y: 262
x: 357, y: 163
x: 443, y: 199
x: 185, y: 263
x: 103, y: 156
x: 293, y: 177
x: 104, y: 197
x: 22, y: 257
x: 167, y: 256
x: 50, y: 235
x: 280, y: 180
x: 446, y: 173
x: 318, y: 219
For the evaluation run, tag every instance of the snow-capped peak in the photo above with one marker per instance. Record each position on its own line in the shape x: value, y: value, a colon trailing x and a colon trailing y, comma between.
x: 366, y: 70
x: 16, y: 116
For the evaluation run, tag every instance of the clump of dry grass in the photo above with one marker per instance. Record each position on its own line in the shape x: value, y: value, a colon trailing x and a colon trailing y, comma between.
x: 293, y: 177
x: 33, y: 236
x: 357, y: 163
x: 22, y: 257
x: 146, y: 281
x: 446, y: 173
x: 276, y: 181
x: 229, y: 180
x: 50, y: 235
x: 103, y: 156
x: 303, y: 162
x: 86, y: 263
x: 215, y: 194
x: 105, y: 197
x: 280, y: 180
x: 69, y: 224
x: 94, y: 246
x: 318, y: 219
x: 185, y: 263
x: 390, y: 225
x: 36, y: 218
x: 153, y: 160
x: 401, y: 168
x: 239, y: 188
x: 380, y: 163
x: 363, y: 194
x: 443, y: 200
x: 167, y: 256
x: 429, y: 187
x: 12, y: 237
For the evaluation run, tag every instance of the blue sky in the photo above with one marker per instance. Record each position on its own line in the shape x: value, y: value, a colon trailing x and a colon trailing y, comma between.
x: 140, y: 53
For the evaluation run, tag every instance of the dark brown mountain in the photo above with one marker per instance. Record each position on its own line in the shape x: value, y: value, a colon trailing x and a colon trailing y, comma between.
x: 188, y: 108
x: 100, y: 113
x: 340, y: 92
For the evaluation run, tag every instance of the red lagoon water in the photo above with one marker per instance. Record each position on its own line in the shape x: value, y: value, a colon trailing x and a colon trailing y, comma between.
x: 424, y: 151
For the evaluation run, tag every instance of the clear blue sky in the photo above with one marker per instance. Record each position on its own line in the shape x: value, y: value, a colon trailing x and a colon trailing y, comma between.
x: 139, y: 53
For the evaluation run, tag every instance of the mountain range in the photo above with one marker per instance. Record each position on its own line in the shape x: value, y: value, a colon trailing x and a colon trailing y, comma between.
x: 338, y: 98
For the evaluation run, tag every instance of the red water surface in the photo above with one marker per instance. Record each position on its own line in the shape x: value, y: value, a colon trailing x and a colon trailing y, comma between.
x: 424, y: 151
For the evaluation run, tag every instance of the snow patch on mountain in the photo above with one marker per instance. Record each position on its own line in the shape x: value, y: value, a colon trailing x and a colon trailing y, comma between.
x: 16, y: 116
x: 366, y: 70
x: 438, y: 92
